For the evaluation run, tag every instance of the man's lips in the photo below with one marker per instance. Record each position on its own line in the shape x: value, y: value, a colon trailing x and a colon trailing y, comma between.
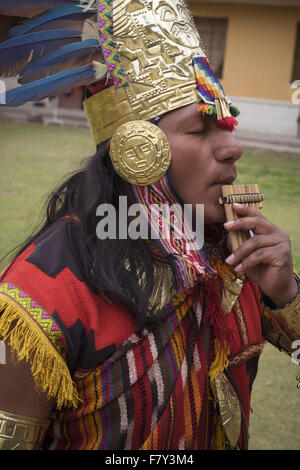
x: 225, y: 181
x: 217, y: 188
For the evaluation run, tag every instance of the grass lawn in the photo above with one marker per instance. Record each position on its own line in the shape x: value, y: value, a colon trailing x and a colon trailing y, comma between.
x: 34, y: 159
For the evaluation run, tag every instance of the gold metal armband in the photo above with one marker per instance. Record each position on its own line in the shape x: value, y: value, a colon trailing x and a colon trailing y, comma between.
x: 288, y: 318
x: 21, y: 433
x: 286, y: 330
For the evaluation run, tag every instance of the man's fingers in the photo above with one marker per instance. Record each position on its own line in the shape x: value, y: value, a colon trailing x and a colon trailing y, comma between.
x: 258, y: 225
x: 245, y: 210
x: 253, y: 245
x: 264, y: 255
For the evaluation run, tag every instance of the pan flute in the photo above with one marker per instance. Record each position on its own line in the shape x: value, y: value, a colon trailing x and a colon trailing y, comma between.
x: 247, y: 194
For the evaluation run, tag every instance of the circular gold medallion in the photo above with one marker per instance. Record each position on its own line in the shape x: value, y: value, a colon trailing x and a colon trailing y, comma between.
x: 140, y: 152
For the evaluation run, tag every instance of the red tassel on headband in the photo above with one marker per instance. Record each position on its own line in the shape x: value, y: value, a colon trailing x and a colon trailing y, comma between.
x: 227, y: 123
x: 212, y: 98
x: 224, y: 118
x: 221, y: 113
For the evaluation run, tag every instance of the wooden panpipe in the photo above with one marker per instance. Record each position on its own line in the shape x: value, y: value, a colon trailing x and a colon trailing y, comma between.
x: 247, y: 194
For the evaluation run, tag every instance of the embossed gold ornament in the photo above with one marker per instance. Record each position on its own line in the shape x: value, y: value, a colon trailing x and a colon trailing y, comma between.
x: 230, y: 409
x: 21, y: 433
x: 232, y: 289
x: 140, y: 152
x: 157, y: 40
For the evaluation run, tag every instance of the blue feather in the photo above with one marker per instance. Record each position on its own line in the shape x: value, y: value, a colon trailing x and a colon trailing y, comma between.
x: 30, y: 8
x: 53, y: 19
x: 50, y: 86
x: 65, y: 58
x: 16, y: 52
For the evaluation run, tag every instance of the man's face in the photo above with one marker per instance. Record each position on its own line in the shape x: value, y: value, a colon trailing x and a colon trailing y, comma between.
x: 203, y: 159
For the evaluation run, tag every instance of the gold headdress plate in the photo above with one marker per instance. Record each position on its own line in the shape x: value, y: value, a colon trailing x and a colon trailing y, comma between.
x: 156, y: 42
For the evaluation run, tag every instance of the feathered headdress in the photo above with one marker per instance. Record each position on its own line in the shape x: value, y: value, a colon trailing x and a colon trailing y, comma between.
x: 53, y: 46
x: 147, y: 53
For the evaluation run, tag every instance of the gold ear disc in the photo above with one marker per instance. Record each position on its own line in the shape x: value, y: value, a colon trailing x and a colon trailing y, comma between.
x: 140, y: 152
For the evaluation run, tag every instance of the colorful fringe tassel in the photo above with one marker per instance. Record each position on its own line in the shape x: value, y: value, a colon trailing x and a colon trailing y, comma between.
x: 221, y: 359
x: 228, y: 123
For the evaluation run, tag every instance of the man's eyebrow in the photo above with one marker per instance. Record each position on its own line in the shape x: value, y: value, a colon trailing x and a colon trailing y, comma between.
x: 192, y: 120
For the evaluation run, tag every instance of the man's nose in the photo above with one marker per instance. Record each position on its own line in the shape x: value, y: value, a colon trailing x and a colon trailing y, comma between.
x: 228, y: 147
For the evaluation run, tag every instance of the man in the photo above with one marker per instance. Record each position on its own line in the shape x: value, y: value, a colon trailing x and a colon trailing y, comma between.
x: 127, y: 343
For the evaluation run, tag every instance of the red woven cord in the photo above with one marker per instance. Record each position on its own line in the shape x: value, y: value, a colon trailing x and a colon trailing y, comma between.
x: 214, y: 315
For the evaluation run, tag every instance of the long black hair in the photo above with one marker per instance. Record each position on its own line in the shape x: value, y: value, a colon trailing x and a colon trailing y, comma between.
x: 112, y: 268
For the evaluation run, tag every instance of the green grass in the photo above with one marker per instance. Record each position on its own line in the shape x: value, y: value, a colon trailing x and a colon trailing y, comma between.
x: 278, y: 177
x: 34, y: 159
x: 275, y: 421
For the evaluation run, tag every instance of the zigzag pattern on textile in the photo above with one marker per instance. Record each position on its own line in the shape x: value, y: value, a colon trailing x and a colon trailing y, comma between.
x: 33, y: 336
x: 109, y: 47
x: 38, y: 314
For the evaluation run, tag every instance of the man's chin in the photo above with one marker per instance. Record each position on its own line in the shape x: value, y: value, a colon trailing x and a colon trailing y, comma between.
x: 216, y: 216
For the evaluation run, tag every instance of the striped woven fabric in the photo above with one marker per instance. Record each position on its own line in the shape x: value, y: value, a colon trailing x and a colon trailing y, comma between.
x: 173, y: 233
x: 155, y: 392
x: 146, y: 396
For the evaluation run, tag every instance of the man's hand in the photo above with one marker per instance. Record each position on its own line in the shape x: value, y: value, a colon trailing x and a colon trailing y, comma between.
x: 266, y: 257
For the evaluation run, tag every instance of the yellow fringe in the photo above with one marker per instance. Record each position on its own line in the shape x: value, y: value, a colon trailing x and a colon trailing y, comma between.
x: 219, y: 439
x: 221, y: 361
x: 50, y: 371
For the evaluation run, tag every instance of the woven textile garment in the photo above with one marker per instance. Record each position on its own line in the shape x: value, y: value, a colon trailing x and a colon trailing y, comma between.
x: 154, y: 393
x: 116, y: 388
